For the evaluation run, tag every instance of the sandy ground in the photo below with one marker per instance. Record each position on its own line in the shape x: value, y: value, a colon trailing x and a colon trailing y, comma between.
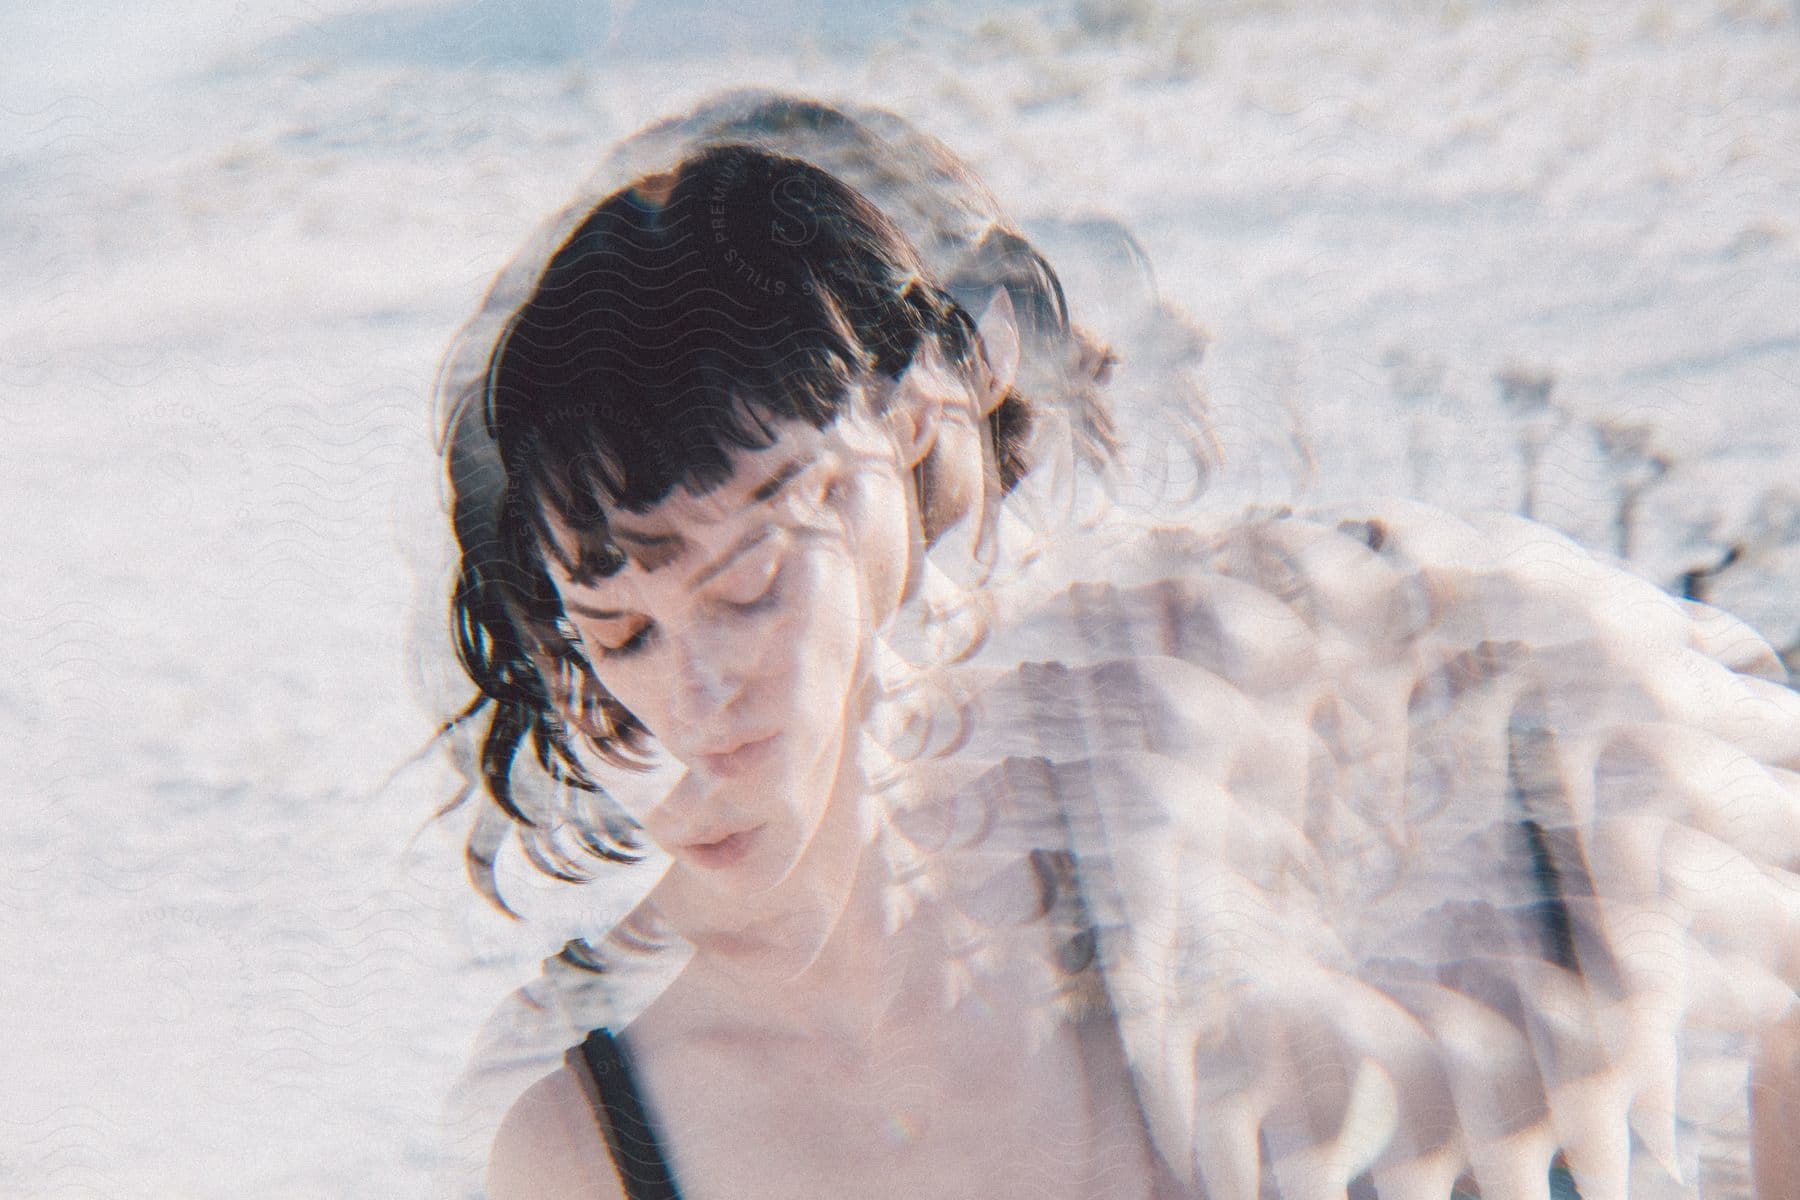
x: 235, y: 957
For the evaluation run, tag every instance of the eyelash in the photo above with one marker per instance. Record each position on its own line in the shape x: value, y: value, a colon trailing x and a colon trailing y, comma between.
x: 630, y: 645
x: 646, y: 632
x: 769, y: 595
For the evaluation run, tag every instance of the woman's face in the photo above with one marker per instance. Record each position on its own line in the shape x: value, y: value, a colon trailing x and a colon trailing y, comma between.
x: 738, y: 633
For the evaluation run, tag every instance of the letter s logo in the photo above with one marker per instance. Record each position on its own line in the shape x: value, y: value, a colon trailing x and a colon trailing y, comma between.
x: 794, y: 223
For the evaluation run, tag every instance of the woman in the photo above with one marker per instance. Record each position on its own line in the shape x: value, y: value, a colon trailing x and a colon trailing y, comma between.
x: 1149, y: 859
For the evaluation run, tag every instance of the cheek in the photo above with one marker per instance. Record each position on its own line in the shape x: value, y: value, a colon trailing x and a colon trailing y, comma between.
x: 643, y: 693
x: 641, y: 702
x: 810, y: 665
x: 821, y: 646
x: 879, y: 538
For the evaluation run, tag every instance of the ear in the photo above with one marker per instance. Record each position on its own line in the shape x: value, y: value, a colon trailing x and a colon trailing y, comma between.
x: 913, y: 419
x: 998, y: 328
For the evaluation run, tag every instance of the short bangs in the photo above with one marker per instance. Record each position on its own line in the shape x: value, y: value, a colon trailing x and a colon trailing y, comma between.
x: 688, y: 314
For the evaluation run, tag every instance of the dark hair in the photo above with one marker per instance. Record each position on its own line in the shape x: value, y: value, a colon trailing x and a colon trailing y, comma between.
x: 683, y: 316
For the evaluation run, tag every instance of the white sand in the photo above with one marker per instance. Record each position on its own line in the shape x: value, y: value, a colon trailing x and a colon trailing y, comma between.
x: 236, y: 241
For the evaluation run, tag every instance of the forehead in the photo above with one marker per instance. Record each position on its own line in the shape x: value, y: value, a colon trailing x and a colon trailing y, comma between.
x: 683, y: 527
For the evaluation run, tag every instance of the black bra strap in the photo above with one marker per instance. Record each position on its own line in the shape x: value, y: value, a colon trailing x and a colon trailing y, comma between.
x: 635, y: 1151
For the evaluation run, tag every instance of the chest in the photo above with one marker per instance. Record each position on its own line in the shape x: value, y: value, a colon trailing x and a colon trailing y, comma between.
x: 969, y: 1108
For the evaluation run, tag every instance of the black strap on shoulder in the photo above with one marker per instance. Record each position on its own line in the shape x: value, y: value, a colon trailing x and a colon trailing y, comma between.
x: 635, y: 1151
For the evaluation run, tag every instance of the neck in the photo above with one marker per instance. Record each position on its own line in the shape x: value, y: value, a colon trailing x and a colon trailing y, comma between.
x: 827, y: 952
x: 813, y: 949
x: 831, y: 973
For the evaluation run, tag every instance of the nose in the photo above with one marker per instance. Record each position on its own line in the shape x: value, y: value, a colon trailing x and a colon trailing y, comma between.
x: 708, y: 680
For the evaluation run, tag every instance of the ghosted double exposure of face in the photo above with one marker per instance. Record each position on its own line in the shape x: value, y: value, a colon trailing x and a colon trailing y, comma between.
x: 737, y: 632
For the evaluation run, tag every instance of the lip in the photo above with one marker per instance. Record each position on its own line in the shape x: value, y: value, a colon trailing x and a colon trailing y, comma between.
x: 739, y: 758
x: 720, y: 853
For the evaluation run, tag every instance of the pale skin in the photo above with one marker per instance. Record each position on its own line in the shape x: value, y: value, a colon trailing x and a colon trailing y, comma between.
x: 810, y: 1048
x: 1775, y: 1111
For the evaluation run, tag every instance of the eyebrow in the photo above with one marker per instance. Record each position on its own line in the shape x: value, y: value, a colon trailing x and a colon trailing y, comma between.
x: 769, y: 488
x: 764, y: 492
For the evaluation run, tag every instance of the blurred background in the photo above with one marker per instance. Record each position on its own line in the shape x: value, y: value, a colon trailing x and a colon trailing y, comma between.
x: 1536, y: 257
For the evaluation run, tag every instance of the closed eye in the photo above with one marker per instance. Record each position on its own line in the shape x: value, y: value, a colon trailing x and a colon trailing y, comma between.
x: 752, y: 586
x: 767, y: 595
x: 638, y: 641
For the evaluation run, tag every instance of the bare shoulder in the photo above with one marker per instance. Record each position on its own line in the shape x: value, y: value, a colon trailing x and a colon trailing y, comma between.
x: 549, y: 1147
